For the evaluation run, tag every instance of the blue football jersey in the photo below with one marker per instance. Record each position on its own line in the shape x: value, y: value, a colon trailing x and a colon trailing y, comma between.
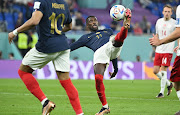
x: 93, y: 40
x: 55, y: 15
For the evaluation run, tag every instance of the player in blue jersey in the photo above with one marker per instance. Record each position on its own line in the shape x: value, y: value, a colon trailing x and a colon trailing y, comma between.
x: 52, y: 18
x: 106, y: 47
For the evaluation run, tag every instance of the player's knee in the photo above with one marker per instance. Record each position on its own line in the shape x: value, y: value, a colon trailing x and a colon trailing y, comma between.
x: 155, y: 71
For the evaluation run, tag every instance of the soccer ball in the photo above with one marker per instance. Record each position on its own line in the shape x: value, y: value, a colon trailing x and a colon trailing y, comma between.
x: 117, y: 12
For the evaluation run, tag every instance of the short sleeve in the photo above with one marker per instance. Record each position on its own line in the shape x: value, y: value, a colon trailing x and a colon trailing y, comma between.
x: 178, y: 17
x: 39, y: 5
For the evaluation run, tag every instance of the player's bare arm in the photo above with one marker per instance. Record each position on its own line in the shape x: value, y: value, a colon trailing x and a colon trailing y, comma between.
x: 172, y: 37
x: 67, y: 27
x: 33, y: 21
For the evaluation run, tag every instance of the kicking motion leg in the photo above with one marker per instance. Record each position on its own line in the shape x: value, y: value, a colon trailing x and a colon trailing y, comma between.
x: 121, y: 36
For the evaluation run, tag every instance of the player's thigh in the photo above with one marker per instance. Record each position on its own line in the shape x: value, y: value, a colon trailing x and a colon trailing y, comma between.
x: 177, y: 85
x: 26, y: 68
x: 102, y: 55
x: 157, y: 59
x: 166, y: 59
x: 164, y: 68
x: 99, y: 68
x: 35, y: 59
x: 175, y: 72
x: 62, y: 61
x: 115, y: 52
x: 62, y: 75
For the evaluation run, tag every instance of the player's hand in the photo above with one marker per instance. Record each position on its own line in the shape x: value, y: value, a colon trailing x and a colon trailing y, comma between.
x: 112, y: 74
x: 10, y: 37
x: 154, y: 41
x: 175, y: 49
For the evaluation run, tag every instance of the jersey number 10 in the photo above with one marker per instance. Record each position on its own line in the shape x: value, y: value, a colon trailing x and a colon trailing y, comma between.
x: 54, y: 21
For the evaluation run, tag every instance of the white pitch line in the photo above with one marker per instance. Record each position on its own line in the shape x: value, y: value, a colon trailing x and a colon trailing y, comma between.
x: 120, y: 98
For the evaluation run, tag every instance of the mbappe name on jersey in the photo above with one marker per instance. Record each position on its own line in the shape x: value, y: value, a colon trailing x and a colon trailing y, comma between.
x: 58, y: 6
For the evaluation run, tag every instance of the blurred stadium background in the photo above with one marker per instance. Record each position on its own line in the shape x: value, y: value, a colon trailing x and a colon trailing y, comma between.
x: 136, y: 50
x: 133, y: 95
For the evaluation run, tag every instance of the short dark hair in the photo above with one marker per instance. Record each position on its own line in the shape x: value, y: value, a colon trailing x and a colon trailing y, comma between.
x: 87, y: 19
x: 168, y: 6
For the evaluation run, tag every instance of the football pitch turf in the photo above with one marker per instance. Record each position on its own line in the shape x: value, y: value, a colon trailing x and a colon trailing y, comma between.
x: 125, y: 97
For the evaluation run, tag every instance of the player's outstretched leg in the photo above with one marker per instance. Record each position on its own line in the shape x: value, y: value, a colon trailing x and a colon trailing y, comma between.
x: 169, y: 89
x: 33, y: 86
x: 127, y: 18
x: 121, y: 36
x: 48, y: 106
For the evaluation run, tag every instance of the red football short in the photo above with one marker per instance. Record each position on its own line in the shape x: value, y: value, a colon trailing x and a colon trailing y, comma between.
x: 175, y: 72
x: 162, y: 59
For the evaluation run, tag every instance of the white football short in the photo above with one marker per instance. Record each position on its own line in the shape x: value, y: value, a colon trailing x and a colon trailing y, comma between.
x: 37, y: 60
x: 106, y: 52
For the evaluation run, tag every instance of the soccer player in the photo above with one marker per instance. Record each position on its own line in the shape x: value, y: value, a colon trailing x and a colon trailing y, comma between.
x: 52, y: 18
x: 163, y: 55
x: 106, y: 47
x: 175, y: 72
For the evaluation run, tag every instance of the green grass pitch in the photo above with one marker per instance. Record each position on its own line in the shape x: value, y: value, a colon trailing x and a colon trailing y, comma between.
x: 125, y: 97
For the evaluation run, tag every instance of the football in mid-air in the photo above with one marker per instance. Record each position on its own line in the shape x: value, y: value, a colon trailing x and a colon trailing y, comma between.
x: 117, y: 12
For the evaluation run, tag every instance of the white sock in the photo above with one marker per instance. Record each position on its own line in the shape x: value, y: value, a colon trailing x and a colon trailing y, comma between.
x: 178, y: 94
x: 159, y: 74
x: 81, y: 114
x: 168, y: 83
x: 163, y: 81
x: 42, y: 102
x: 105, y: 106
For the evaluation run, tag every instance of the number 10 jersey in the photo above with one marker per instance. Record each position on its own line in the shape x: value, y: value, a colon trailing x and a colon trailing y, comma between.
x: 55, y: 15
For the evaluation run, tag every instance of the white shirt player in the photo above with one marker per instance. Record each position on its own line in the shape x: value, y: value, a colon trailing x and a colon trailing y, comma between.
x: 163, y: 29
x: 178, y: 24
